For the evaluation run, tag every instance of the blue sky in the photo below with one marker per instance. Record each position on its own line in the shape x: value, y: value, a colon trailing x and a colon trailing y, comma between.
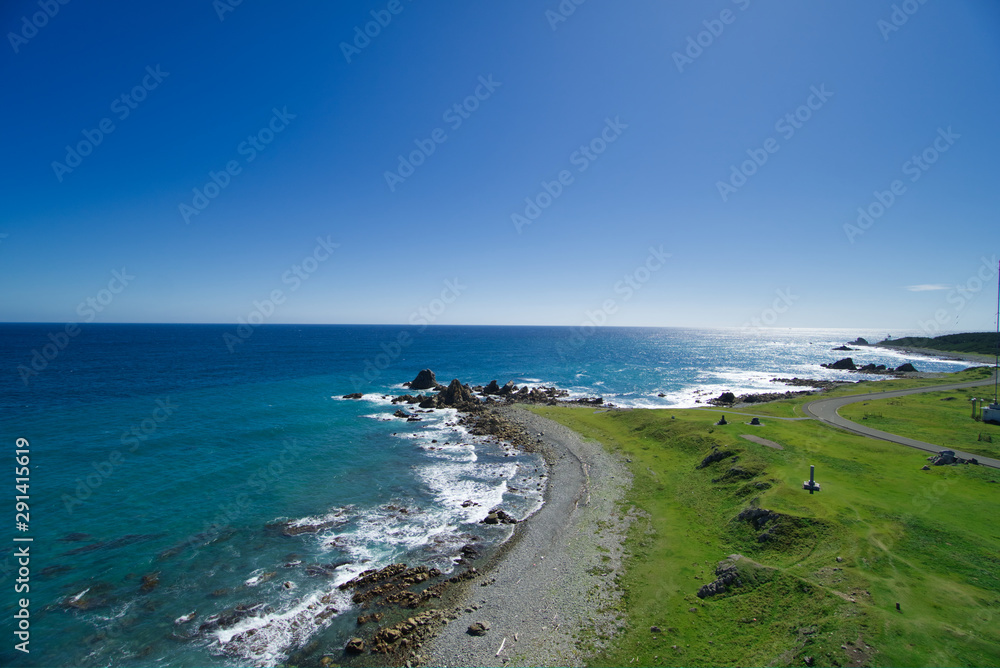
x: 643, y: 123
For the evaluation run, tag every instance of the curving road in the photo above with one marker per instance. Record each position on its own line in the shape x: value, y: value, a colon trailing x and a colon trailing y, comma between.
x: 825, y: 410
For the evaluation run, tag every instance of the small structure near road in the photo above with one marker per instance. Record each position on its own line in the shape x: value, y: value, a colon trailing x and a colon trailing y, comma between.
x: 811, y: 484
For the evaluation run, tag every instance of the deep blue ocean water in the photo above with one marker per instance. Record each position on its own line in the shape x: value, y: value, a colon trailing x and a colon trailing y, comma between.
x: 161, y: 451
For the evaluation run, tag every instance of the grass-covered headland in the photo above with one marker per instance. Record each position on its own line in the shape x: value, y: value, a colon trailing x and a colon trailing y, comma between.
x: 980, y: 343
x: 822, y: 573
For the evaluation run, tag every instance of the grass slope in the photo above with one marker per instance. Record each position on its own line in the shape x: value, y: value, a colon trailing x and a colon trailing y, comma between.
x: 925, y: 539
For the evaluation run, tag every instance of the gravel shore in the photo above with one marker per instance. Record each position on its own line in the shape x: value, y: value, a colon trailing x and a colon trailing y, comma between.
x: 554, y: 580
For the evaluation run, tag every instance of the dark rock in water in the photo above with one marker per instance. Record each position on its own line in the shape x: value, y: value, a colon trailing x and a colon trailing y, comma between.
x: 844, y: 348
x: 457, y: 394
x: 290, y: 528
x: 353, y: 395
x: 53, y: 571
x: 479, y: 628
x: 150, y: 581
x: 402, y: 414
x: 76, y: 537
x: 860, y: 342
x: 355, y: 646
x: 373, y: 617
x: 492, y: 388
x: 508, y: 388
x: 725, y: 398
x: 906, y: 368
x: 497, y: 516
x: 425, y: 380
x: 846, y: 363
x: 714, y: 456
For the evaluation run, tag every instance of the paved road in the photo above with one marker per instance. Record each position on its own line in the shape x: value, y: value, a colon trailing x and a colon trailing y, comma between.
x: 825, y: 410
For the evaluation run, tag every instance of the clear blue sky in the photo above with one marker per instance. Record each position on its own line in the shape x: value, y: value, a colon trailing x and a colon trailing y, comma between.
x: 678, y: 126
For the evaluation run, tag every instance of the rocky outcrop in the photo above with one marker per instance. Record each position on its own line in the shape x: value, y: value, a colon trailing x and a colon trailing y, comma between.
x: 906, y: 368
x: 492, y: 388
x: 497, y: 516
x: 457, y: 394
x: 758, y: 517
x: 948, y: 457
x: 355, y: 646
x: 844, y: 348
x: 846, y: 364
x: 873, y: 368
x: 425, y: 380
x: 727, y: 575
x: 726, y: 398
x: 479, y: 628
x: 714, y: 456
x: 353, y: 395
x: 860, y: 342
x: 810, y: 382
x: 734, y: 572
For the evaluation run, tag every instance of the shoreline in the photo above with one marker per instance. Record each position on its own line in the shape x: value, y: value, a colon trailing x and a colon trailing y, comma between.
x: 556, y: 575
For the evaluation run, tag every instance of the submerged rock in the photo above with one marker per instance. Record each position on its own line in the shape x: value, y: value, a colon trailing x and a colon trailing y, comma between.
x: 844, y: 364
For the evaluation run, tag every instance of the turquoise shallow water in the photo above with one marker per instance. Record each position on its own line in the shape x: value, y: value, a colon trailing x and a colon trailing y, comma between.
x: 158, y: 452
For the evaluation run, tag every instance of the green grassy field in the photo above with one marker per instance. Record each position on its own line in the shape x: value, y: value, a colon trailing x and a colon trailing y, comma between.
x: 942, y: 418
x: 926, y: 539
x: 793, y: 407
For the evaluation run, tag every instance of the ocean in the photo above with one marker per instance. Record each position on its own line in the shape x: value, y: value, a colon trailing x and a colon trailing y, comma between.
x: 168, y: 463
